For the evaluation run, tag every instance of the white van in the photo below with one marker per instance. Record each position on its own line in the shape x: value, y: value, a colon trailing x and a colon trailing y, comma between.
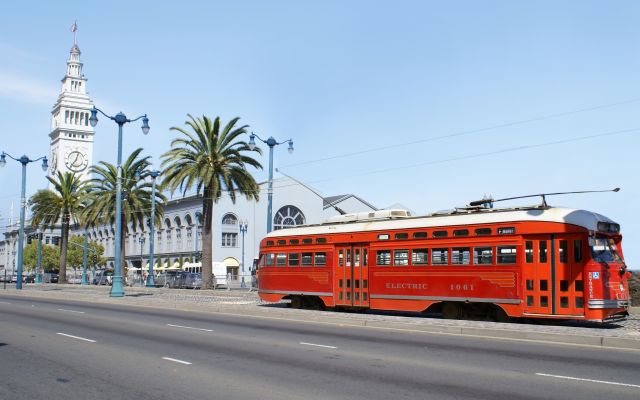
x: 219, y: 270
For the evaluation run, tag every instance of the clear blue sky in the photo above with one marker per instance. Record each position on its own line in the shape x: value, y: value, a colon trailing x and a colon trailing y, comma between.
x: 374, y: 82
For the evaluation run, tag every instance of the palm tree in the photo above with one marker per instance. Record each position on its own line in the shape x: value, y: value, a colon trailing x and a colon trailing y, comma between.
x: 136, y: 197
x: 212, y: 159
x: 62, y: 204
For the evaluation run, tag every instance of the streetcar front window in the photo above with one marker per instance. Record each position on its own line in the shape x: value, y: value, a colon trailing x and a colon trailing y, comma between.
x: 604, y: 250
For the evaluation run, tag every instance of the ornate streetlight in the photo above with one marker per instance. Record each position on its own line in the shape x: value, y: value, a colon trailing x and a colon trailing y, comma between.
x: 243, y: 229
x: 117, y: 289
x: 24, y: 160
x: 271, y: 142
x: 154, y: 174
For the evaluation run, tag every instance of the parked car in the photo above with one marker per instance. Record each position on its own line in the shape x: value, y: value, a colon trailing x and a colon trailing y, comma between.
x: 178, y: 280
x: 191, y: 280
x: 103, y: 277
x: 31, y: 278
x: 165, y: 279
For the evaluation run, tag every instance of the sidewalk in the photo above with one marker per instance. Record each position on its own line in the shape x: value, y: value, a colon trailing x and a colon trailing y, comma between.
x: 623, y: 335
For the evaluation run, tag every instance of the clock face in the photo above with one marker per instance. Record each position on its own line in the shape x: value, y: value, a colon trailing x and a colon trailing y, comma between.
x: 76, y: 161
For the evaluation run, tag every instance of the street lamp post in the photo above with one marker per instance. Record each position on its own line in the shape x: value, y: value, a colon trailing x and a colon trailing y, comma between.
x: 141, y: 259
x: 154, y: 174
x: 271, y: 142
x: 243, y: 229
x: 24, y: 160
x: 117, y: 289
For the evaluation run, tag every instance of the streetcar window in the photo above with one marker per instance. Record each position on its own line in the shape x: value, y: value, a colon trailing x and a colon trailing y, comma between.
x: 564, y: 286
x: 506, y: 231
x: 439, y: 256
x: 544, y: 301
x: 419, y: 235
x: 579, y: 286
x: 604, y: 250
x: 321, y: 259
x: 402, y: 236
x: 321, y: 240
x: 564, y: 302
x: 438, y: 234
x: 542, y: 251
x: 579, y: 302
x: 269, y: 259
x: 529, y: 284
x: 544, y: 285
x: 307, y: 241
x: 483, y: 231
x: 383, y: 237
x: 401, y: 257
x: 562, y: 250
x: 364, y: 284
x: 383, y: 257
x: 420, y: 257
x: 282, y: 242
x: 340, y: 258
x: 461, y: 256
x: 528, y: 251
x: 461, y: 232
x: 356, y: 257
x: 577, y: 250
x: 269, y: 242
x: 294, y: 259
x: 506, y: 255
x: 307, y: 259
x: 364, y: 257
x: 483, y: 255
x: 281, y: 259
x: 294, y: 241
x: 530, y: 301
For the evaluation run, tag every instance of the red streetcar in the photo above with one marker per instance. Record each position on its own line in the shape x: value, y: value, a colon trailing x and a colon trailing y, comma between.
x: 474, y: 262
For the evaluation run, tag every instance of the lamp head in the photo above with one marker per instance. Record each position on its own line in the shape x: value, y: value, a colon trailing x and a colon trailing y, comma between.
x: 45, y: 164
x: 290, y: 149
x: 93, y: 119
x: 3, y: 160
x: 145, y: 124
x: 252, y: 142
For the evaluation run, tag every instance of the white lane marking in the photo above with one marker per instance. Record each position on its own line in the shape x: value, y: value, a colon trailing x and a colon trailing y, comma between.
x: 175, y: 360
x: 190, y: 327
x: 73, y: 311
x: 76, y: 337
x: 588, y: 380
x: 318, y: 345
x: 4, y: 302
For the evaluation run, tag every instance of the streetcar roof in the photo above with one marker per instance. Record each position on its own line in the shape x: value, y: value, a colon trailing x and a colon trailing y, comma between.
x: 583, y: 218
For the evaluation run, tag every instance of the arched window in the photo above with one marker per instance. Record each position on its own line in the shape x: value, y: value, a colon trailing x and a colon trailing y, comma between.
x: 229, y: 219
x: 287, y: 217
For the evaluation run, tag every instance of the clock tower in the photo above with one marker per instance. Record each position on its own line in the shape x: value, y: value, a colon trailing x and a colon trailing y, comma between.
x: 71, y: 147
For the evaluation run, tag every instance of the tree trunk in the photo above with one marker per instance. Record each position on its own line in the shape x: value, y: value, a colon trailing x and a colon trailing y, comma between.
x: 62, y: 274
x: 207, y: 251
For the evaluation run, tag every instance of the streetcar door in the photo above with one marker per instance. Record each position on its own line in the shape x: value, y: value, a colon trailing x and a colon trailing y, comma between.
x: 352, y: 276
x: 568, y: 275
x: 537, y: 274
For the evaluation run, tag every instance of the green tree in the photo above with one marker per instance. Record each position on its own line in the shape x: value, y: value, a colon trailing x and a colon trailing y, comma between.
x: 136, y: 197
x: 214, y: 160
x: 75, y: 254
x: 61, y: 205
x: 50, y: 257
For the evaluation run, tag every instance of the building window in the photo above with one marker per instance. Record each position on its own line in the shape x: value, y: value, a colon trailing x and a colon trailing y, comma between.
x: 287, y: 217
x: 229, y: 219
x: 229, y: 240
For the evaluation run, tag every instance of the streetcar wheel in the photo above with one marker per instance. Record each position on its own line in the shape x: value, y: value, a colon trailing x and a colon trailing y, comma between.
x: 296, y: 302
x: 451, y: 311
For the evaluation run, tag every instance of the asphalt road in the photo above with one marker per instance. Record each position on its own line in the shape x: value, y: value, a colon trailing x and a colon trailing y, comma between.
x: 68, y: 350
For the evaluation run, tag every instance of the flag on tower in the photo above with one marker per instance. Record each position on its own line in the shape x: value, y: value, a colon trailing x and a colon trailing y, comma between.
x: 74, y: 27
